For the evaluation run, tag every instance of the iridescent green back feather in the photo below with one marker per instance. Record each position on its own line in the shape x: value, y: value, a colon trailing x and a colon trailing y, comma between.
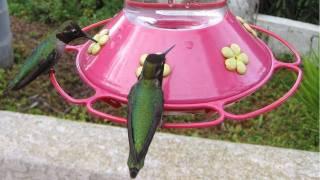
x: 38, y: 55
x: 145, y: 110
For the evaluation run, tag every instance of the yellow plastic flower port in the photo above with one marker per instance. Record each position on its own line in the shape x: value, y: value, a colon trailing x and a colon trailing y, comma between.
x: 235, y: 60
x: 247, y: 26
x: 102, y: 38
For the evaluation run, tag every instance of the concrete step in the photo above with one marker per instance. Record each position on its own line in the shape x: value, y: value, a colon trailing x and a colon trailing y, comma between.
x: 303, y: 36
x: 40, y: 147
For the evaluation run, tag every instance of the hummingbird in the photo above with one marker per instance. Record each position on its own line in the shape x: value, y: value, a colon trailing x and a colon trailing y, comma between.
x: 46, y: 54
x: 145, y: 108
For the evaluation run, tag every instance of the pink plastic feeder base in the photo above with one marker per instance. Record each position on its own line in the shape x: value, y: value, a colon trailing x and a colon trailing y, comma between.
x: 199, y: 79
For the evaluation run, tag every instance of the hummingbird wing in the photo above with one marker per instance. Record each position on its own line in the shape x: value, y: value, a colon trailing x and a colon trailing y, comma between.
x: 144, y: 116
x: 160, y: 79
x: 42, y: 67
x: 130, y: 128
x: 157, y: 116
x: 43, y: 57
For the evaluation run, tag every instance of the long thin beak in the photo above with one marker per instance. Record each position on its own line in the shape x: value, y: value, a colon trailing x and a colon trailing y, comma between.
x: 167, y: 51
x: 88, y: 37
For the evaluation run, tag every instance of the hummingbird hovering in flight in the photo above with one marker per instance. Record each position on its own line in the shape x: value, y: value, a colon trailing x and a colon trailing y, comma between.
x: 46, y: 54
x: 145, y: 108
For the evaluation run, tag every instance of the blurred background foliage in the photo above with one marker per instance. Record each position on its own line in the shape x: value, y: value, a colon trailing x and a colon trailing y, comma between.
x: 88, y: 11
x: 57, y: 11
x: 302, y: 10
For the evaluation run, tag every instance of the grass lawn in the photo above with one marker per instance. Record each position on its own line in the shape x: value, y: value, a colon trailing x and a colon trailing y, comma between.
x: 288, y: 126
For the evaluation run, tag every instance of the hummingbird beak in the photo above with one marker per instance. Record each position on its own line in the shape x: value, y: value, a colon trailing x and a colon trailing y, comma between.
x: 167, y: 51
x: 90, y: 38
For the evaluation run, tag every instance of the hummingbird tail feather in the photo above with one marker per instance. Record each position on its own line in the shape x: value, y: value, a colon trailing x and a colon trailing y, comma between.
x: 134, y: 165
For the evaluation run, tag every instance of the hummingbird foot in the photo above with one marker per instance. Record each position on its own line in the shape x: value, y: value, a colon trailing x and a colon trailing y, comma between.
x: 161, y: 123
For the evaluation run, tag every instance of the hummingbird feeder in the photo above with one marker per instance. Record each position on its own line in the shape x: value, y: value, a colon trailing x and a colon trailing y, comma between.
x: 217, y: 60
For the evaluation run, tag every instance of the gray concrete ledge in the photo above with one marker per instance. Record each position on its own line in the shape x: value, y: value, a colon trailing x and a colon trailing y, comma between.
x: 39, y: 147
x: 303, y: 36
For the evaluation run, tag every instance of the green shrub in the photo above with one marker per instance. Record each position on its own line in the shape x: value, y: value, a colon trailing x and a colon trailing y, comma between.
x: 309, y: 89
x: 57, y: 11
x: 302, y: 10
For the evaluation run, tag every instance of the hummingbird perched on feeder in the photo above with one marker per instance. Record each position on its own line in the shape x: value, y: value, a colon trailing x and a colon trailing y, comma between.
x: 145, y: 108
x: 46, y: 54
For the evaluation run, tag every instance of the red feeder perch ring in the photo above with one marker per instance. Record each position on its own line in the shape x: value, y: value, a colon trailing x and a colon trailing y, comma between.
x: 199, y: 78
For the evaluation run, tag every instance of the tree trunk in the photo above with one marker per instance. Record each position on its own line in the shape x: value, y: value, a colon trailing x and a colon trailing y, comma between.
x: 247, y: 9
x: 6, y: 56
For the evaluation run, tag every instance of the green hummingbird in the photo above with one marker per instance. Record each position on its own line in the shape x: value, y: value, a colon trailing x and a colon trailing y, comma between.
x: 145, y: 108
x: 46, y: 54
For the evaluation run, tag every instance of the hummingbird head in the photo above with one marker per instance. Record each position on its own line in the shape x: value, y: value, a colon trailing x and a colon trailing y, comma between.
x: 70, y: 31
x: 154, y: 64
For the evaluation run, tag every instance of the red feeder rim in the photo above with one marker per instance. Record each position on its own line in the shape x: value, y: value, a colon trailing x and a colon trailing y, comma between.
x: 111, y: 73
